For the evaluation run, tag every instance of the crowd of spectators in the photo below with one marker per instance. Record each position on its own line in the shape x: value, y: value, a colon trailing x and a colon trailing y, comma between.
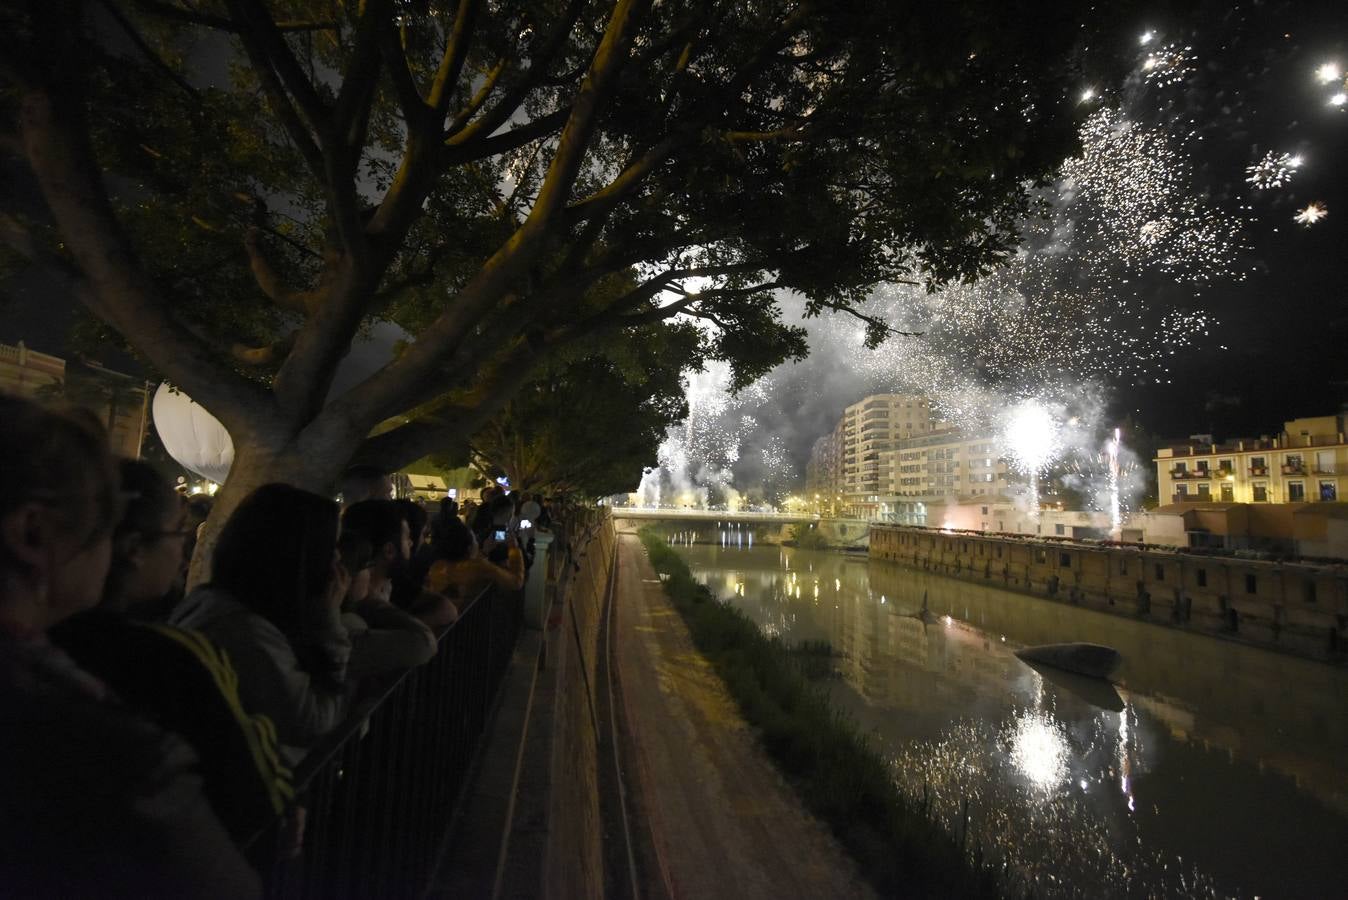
x: 150, y: 728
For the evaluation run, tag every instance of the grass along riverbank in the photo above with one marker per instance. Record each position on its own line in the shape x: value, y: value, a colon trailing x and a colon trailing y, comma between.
x: 897, y: 843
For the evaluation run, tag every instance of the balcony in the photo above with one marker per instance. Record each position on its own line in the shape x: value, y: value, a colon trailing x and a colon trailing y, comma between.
x: 1294, y: 469
x: 1259, y: 471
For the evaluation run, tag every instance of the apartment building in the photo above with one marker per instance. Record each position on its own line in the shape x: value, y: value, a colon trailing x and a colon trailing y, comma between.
x: 1306, y: 463
x: 947, y: 464
x: 871, y: 429
x: 821, y: 472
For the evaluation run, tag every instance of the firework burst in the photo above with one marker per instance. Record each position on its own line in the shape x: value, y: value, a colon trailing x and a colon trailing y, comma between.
x: 1273, y: 171
x: 1313, y: 213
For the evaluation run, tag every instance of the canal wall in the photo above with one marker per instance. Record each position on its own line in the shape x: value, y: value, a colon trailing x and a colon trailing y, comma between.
x: 534, y: 824
x: 1297, y: 607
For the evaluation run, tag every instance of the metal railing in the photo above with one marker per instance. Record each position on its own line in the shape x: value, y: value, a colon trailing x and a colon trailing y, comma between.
x: 379, y: 792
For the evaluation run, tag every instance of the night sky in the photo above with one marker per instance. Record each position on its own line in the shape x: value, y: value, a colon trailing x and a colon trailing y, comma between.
x: 1285, y: 327
x: 1277, y: 350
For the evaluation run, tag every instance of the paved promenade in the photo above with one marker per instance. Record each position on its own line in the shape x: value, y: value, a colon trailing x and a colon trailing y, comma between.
x: 722, y: 822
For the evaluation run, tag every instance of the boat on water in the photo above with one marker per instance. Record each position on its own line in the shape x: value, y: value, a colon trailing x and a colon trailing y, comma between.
x: 1091, y: 660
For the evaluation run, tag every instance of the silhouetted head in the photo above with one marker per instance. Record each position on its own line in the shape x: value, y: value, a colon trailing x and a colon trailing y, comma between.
x: 275, y: 555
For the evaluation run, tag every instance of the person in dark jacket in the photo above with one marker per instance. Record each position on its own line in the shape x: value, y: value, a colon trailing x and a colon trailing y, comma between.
x: 273, y: 604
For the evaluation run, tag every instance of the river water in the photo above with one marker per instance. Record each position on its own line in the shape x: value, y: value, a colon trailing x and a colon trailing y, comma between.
x: 1211, y: 769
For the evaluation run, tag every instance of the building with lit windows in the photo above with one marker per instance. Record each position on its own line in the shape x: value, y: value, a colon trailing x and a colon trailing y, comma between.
x: 1306, y: 463
x: 871, y: 429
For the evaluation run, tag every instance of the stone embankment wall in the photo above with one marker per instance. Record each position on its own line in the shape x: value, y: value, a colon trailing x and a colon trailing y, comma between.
x: 574, y: 866
x: 1298, y: 607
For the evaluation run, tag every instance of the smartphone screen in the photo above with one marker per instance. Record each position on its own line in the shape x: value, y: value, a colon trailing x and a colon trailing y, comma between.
x: 525, y: 523
x: 500, y: 534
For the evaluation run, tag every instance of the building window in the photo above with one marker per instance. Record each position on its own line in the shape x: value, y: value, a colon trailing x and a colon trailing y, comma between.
x: 985, y: 512
x: 999, y: 551
x: 1201, y: 467
x: 1041, y: 556
x: 1296, y: 491
x: 1123, y: 567
x: 1202, y: 577
x: 1181, y: 467
x: 1160, y: 572
x: 1261, y: 493
x: 1251, y: 584
x: 1064, y: 560
x: 1228, y: 492
x: 1059, y: 530
x: 1205, y: 490
x: 1329, y: 490
x: 1181, y: 490
x: 1308, y: 591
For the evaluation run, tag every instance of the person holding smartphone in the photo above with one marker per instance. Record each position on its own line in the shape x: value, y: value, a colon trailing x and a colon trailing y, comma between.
x: 463, y: 569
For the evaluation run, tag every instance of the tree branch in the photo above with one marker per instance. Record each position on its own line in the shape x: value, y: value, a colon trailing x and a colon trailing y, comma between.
x: 146, y: 50
x: 478, y: 98
x: 441, y: 339
x: 457, y: 421
x: 113, y: 286
x: 220, y: 23
x: 499, y: 114
x: 264, y: 40
x: 263, y: 356
x: 360, y: 79
x: 456, y: 53
x: 508, y: 140
x: 871, y: 320
x: 416, y: 112
x: 269, y: 281
x: 282, y: 106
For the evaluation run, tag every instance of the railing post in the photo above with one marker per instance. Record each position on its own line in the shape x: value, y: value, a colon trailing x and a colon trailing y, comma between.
x: 535, y: 585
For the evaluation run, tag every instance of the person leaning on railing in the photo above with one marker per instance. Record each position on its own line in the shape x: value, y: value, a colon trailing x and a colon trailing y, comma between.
x: 460, y: 569
x: 273, y: 604
x: 383, y: 637
x: 174, y: 676
x: 384, y: 523
x: 94, y: 799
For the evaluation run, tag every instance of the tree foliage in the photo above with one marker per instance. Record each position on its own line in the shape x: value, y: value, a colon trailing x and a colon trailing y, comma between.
x: 238, y: 186
x: 590, y: 425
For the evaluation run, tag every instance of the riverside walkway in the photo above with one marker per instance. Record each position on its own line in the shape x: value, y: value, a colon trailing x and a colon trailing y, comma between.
x: 720, y: 820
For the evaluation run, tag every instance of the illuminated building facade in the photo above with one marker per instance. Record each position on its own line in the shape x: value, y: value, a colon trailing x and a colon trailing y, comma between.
x: 1306, y: 463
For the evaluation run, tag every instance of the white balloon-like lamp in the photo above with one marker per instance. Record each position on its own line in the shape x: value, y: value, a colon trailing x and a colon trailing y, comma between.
x: 191, y: 435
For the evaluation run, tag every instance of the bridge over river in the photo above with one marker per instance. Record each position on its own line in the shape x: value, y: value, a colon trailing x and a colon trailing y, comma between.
x: 709, y: 526
x: 689, y: 514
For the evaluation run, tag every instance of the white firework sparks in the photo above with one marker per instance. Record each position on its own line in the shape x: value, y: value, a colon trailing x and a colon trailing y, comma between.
x: 1313, y: 213
x: 1070, y: 310
x: 1168, y: 65
x: 1275, y: 170
x: 1328, y: 73
x: 1134, y: 186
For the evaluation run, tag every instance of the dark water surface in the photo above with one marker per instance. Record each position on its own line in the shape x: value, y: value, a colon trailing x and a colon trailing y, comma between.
x: 1211, y: 769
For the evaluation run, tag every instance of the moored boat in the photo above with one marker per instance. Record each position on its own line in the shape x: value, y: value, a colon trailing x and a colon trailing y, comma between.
x: 1091, y: 660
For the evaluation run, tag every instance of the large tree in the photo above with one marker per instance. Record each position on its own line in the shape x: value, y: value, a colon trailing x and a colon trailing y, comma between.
x: 237, y: 186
